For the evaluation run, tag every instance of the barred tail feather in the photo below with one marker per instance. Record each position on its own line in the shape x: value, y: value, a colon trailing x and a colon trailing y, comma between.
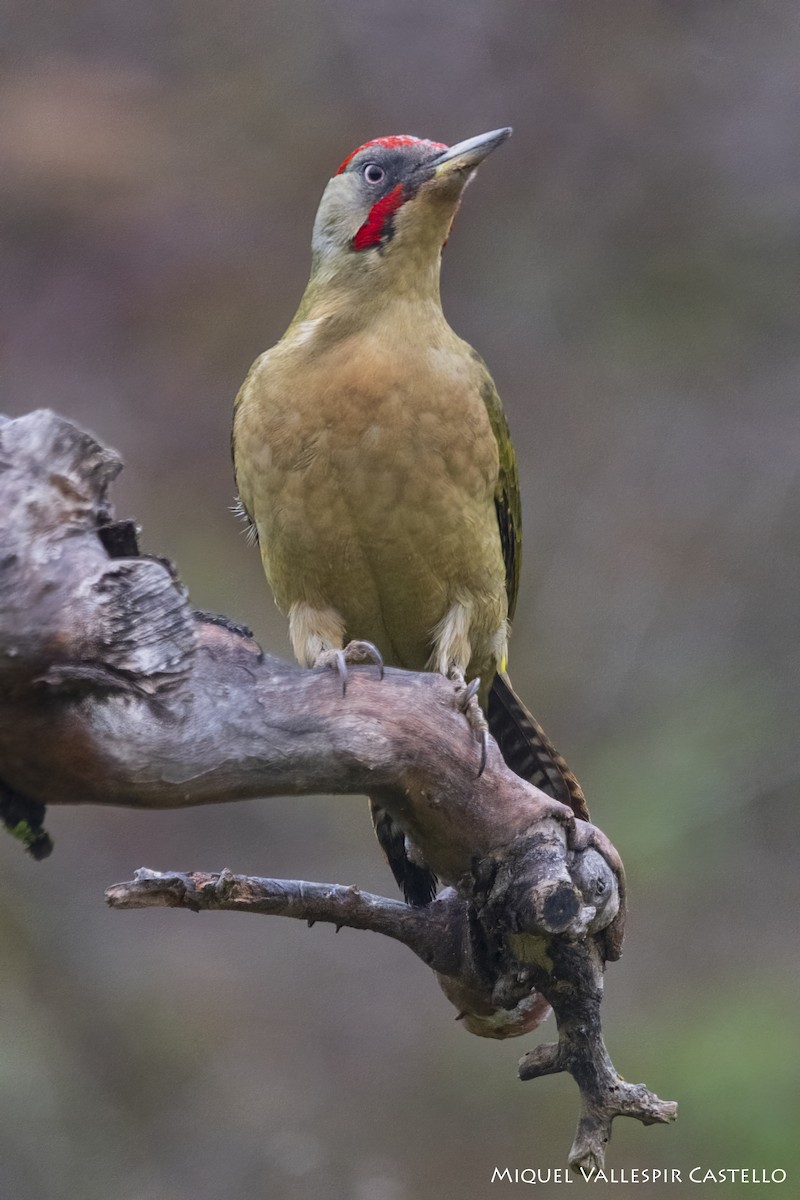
x: 528, y: 750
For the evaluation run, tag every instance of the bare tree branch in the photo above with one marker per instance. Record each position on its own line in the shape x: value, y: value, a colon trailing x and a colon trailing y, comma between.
x: 113, y: 691
x: 434, y: 933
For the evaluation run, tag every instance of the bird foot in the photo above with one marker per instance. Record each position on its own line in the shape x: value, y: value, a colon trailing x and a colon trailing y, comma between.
x: 354, y: 654
x: 467, y: 701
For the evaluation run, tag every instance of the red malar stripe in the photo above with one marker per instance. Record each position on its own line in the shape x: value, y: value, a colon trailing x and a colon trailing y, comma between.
x: 379, y: 219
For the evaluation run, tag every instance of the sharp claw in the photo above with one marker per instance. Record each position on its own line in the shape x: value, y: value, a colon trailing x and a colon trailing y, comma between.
x: 341, y: 668
x: 377, y: 657
x: 484, y: 751
x: 472, y: 690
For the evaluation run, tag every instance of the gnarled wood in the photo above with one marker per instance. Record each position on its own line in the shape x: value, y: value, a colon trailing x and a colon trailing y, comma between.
x: 113, y: 691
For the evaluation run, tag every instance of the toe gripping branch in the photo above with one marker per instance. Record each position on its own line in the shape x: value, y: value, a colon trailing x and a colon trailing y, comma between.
x: 467, y: 701
x: 354, y: 654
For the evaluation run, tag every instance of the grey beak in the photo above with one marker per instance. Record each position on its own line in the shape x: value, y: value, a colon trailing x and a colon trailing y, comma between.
x: 468, y: 154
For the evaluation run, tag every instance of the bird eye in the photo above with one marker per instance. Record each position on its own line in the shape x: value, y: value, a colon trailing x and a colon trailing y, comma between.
x: 373, y: 173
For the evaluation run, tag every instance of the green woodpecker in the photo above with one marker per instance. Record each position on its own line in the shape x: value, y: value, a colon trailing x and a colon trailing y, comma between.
x: 374, y: 461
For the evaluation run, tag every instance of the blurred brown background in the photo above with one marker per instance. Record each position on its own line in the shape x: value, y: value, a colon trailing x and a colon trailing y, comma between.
x: 628, y: 265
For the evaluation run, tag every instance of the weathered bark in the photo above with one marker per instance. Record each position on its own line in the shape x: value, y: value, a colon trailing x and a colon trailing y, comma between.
x: 113, y: 691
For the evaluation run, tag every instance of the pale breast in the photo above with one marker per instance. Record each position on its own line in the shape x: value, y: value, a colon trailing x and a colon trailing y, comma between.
x: 371, y: 481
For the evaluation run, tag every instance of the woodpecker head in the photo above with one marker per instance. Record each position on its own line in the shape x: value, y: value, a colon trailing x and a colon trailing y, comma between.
x: 394, y: 199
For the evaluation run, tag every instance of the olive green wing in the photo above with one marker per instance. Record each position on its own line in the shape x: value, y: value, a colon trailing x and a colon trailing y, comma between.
x: 507, y: 501
x: 524, y: 744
